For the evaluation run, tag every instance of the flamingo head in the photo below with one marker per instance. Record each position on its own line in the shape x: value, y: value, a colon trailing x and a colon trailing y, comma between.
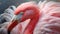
x: 28, y: 10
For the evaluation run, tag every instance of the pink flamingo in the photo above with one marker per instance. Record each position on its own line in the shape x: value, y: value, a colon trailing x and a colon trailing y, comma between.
x: 48, y: 23
x: 29, y: 11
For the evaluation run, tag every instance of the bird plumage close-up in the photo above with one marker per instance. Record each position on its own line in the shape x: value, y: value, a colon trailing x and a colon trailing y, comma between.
x: 32, y: 18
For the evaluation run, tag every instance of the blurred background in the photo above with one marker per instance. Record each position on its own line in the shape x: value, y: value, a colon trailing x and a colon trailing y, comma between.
x: 4, y: 4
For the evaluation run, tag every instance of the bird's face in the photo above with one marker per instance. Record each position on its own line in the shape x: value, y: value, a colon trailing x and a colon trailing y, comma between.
x: 27, y: 11
x: 27, y: 14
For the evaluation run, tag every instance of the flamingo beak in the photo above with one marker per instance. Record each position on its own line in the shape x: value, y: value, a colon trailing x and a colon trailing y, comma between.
x: 14, y: 21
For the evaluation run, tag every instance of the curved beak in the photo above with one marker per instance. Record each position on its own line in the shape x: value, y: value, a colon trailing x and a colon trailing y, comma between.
x: 15, y: 20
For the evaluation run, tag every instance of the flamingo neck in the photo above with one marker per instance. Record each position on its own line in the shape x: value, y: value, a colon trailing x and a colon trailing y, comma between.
x: 30, y: 27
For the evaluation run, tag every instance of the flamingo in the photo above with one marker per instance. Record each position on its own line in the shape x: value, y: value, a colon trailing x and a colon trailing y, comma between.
x: 30, y: 9
x: 45, y: 23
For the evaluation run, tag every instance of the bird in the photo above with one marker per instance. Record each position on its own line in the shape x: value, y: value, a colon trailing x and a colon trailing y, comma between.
x: 45, y: 21
x: 30, y: 11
